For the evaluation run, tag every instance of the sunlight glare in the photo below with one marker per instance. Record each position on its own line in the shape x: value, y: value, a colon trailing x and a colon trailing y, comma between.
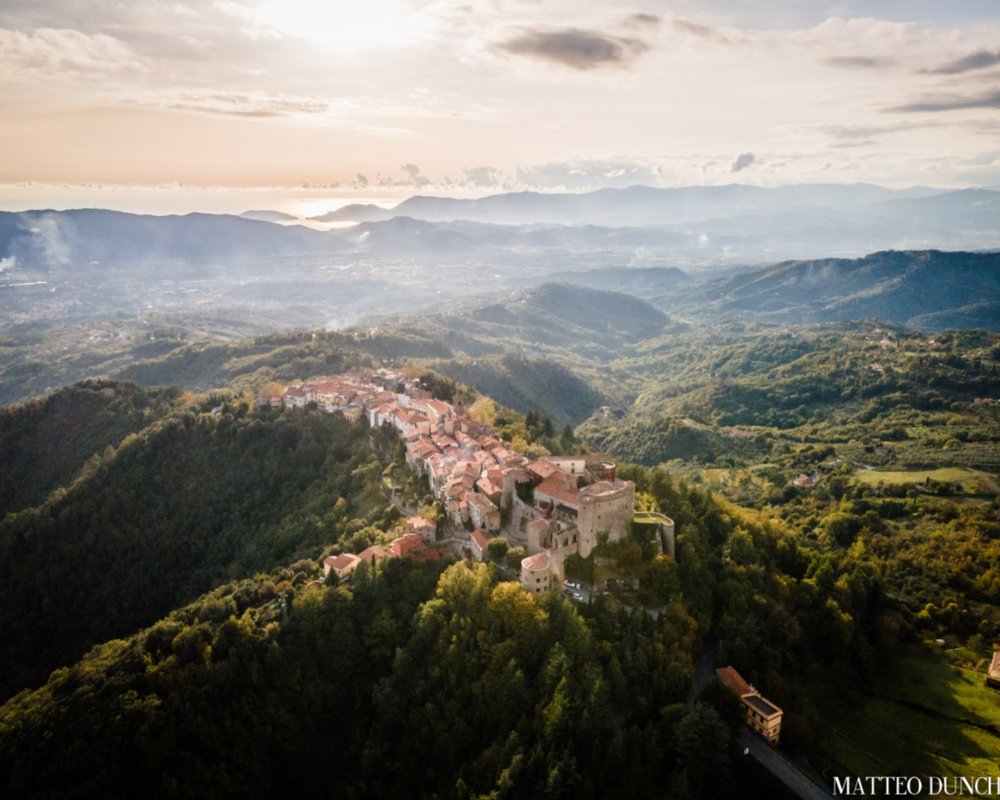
x: 346, y: 25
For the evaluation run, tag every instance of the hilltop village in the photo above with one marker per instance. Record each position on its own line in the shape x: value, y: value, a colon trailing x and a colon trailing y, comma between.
x: 552, y: 507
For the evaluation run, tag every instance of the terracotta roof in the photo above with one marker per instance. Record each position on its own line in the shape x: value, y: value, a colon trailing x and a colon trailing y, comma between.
x: 415, y: 523
x: 372, y: 554
x: 733, y: 681
x: 555, y: 487
x: 481, y: 501
x: 542, y: 468
x: 480, y: 539
x: 341, y: 562
x: 487, y: 487
x: 537, y: 561
x: 439, y: 406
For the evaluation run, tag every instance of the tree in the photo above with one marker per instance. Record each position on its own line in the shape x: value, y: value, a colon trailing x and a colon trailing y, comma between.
x: 515, y: 556
x: 483, y: 410
x: 702, y: 740
x: 496, y: 549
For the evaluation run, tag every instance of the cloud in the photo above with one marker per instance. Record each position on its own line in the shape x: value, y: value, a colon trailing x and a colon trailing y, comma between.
x: 575, y: 48
x: 688, y: 28
x: 416, y: 179
x: 741, y: 162
x: 989, y: 99
x: 239, y: 104
x: 585, y: 174
x: 854, y: 134
x: 977, y: 60
x: 859, y: 62
x: 8, y: 263
x: 51, y: 51
x: 642, y: 19
x: 483, y: 177
x: 360, y: 181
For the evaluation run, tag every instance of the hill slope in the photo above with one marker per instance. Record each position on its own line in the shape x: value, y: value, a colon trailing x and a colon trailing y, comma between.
x: 45, y: 443
x: 176, y: 509
x: 891, y: 286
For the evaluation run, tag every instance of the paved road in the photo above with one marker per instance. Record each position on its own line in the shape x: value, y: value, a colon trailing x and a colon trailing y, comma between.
x: 704, y: 671
x: 781, y: 768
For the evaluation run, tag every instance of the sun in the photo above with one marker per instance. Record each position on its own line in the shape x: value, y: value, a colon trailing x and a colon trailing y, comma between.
x: 347, y: 25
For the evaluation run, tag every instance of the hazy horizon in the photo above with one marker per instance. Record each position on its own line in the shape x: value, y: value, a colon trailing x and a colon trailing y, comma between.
x: 301, y: 203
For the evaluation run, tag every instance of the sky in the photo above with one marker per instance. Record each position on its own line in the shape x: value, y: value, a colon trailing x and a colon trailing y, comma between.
x: 164, y: 105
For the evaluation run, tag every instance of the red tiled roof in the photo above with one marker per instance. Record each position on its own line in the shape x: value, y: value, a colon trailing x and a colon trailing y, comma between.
x: 480, y: 501
x: 542, y: 468
x: 555, y: 487
x: 733, y: 681
x: 372, y: 554
x: 537, y: 561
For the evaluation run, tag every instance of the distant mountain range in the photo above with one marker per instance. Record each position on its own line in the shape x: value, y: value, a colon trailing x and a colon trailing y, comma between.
x: 694, y: 227
x: 60, y: 238
x: 269, y: 216
x: 634, y: 206
x: 222, y: 272
x: 925, y: 289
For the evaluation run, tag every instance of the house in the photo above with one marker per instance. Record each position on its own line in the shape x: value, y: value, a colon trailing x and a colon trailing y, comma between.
x: 993, y: 675
x: 406, y: 545
x: 424, y: 528
x: 373, y: 554
x: 478, y: 545
x: 342, y: 566
x: 482, y: 513
x: 762, y: 715
x: 490, y: 489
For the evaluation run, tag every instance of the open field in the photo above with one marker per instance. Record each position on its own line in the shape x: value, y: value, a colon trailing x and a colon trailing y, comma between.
x: 929, y: 718
x: 972, y: 481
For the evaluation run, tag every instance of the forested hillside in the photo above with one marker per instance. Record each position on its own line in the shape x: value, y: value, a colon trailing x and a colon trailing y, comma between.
x: 193, y: 500
x: 527, y: 385
x: 924, y: 288
x: 46, y: 442
x: 735, y: 392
